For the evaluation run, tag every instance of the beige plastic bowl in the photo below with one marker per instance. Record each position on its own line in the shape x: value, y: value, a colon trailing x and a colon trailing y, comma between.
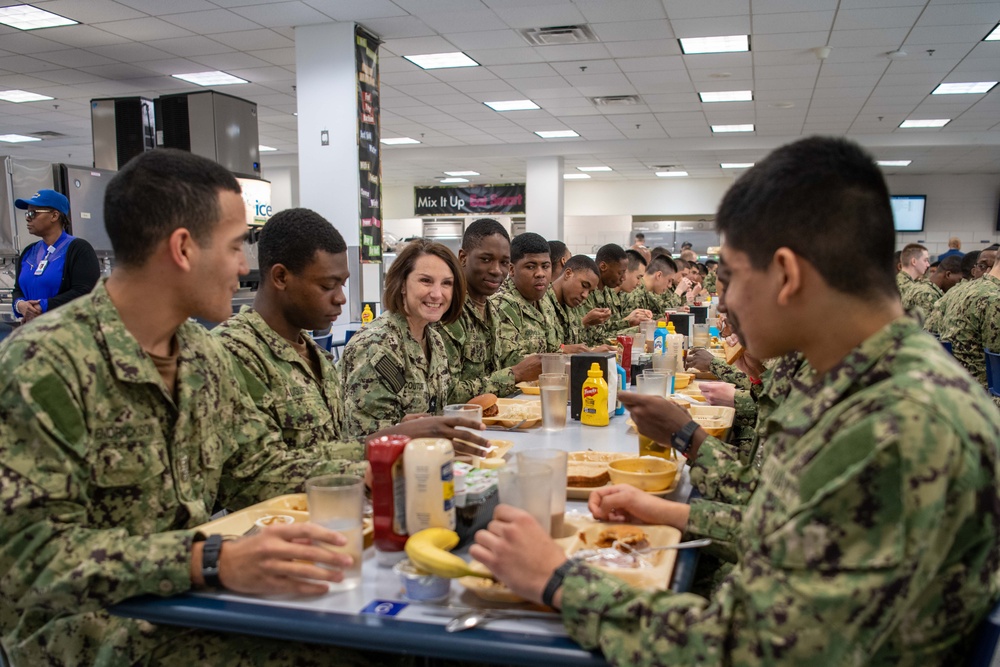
x: 647, y: 473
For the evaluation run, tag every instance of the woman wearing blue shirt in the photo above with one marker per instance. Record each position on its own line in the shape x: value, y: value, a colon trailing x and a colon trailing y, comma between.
x: 57, y: 269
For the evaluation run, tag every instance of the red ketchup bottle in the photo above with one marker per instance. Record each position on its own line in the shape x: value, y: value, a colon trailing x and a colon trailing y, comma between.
x: 385, y: 454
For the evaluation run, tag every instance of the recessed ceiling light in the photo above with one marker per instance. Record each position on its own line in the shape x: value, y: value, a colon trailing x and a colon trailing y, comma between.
x: 728, y: 96
x: 727, y: 44
x: 512, y: 105
x: 454, y: 180
x: 994, y: 35
x: 17, y: 138
x: 575, y: 177
x: 733, y: 128
x: 557, y: 134
x: 18, y: 96
x: 671, y: 174
x: 894, y: 163
x: 210, y: 78
x: 442, y: 60
x: 594, y: 168
x: 265, y: 149
x: 964, y: 88
x: 736, y: 165
x: 929, y: 122
x: 26, y: 17
x: 398, y: 141
x: 462, y: 173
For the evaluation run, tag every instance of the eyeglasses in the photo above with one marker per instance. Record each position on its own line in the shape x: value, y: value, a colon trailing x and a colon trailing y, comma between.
x: 983, y: 266
x: 30, y: 215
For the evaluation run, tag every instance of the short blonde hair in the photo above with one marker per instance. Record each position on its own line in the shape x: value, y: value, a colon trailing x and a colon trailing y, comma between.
x: 955, y: 242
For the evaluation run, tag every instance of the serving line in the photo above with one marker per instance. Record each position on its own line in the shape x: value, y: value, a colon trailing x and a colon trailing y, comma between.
x: 376, y: 616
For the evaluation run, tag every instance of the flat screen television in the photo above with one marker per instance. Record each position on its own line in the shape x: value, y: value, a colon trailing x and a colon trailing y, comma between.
x: 908, y: 212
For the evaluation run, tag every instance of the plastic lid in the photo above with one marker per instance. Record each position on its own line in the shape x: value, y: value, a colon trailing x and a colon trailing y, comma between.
x: 661, y: 325
x: 595, y: 371
x: 671, y: 328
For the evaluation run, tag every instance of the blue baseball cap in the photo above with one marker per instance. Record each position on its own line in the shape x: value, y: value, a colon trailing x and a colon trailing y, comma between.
x: 46, y: 199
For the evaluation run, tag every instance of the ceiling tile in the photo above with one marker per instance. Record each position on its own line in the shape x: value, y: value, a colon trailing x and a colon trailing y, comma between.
x: 351, y: 10
x: 695, y: 9
x: 791, y: 6
x: 74, y: 58
x: 883, y: 17
x: 539, y: 16
x: 487, y: 39
x: 650, y: 48
x: 493, y: 57
x: 80, y: 36
x: 602, y: 11
x: 279, y: 14
x: 797, y: 22
x: 418, y: 45
x: 144, y: 30
x: 253, y: 39
x: 190, y: 47
x: 890, y: 38
x: 129, y: 52
x: 632, y: 31
x: 456, y: 21
x: 118, y: 71
x: 158, y: 7
x: 785, y: 41
x: 217, y: 20
x: 25, y: 64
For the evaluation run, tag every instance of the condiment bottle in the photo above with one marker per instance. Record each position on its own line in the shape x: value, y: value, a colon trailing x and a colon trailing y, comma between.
x: 430, y: 484
x: 595, y: 398
x: 385, y: 454
x: 366, y: 315
x: 660, y: 338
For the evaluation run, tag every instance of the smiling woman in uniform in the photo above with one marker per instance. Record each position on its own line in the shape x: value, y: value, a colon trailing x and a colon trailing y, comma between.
x: 397, y: 365
x: 57, y: 269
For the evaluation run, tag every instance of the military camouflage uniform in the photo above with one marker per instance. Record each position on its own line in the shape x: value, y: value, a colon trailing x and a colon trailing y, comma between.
x: 941, y: 312
x: 974, y: 325
x: 871, y: 539
x: 641, y: 297
x: 616, y: 302
x: 921, y: 297
x: 727, y: 373
x: 386, y: 376
x: 567, y: 322
x: 524, y: 328
x: 104, y: 476
x: 904, y: 282
x: 710, y: 283
x: 306, y: 410
x: 471, y: 349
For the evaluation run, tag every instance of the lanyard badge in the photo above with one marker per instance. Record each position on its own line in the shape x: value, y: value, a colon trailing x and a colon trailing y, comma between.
x: 45, y: 262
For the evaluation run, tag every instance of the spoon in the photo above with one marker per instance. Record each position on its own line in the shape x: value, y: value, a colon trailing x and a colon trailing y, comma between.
x: 690, y: 544
x: 478, y: 617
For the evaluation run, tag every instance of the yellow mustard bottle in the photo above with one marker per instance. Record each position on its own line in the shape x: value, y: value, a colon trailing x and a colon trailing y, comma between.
x: 366, y: 315
x: 595, y: 398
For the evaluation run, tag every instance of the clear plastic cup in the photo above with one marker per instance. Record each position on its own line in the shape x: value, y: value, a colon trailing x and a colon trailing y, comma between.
x: 337, y: 502
x: 527, y: 485
x: 552, y: 387
x: 558, y: 460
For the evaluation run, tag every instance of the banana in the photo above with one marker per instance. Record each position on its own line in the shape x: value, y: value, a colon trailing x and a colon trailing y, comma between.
x: 429, y: 550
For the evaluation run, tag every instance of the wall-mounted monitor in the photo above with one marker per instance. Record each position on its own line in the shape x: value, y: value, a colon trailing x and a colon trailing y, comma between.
x: 908, y: 212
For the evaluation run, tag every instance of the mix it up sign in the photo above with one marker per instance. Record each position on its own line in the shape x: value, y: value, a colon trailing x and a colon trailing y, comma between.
x: 476, y: 199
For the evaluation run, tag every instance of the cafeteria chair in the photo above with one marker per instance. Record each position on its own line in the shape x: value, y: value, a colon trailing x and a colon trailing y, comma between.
x: 986, y: 645
x: 946, y: 344
x: 993, y: 372
x: 323, y: 338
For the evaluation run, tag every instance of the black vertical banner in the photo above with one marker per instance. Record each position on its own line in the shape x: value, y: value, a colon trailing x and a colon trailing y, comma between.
x: 369, y: 163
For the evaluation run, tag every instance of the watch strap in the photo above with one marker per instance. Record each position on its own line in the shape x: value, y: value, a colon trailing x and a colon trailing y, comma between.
x: 555, y: 582
x: 682, y: 438
x: 211, y: 551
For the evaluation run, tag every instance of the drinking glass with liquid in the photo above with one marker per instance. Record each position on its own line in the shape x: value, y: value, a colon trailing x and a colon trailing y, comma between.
x: 554, y: 392
x: 337, y: 502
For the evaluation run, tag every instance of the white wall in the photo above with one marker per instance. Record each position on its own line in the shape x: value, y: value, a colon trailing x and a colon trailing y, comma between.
x: 284, y: 186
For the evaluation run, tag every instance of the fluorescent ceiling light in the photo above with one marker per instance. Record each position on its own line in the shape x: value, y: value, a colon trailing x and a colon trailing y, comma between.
x: 17, y: 138
x: 893, y: 163
x: 736, y: 165
x: 733, y: 128
x: 265, y: 149
x: 930, y: 122
x: 18, y: 96
x: 728, y: 96
x: 671, y: 174
x: 398, y: 141
x: 462, y: 173
x: 575, y: 177
x: 210, y: 78
x: 512, y: 105
x: 964, y: 88
x: 454, y: 180
x: 594, y: 168
x: 993, y: 36
x: 442, y: 60
x: 727, y: 44
x: 26, y: 17
x: 557, y: 134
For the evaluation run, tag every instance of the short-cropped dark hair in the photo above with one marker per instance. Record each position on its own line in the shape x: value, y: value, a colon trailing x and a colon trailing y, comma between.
x: 582, y: 263
x: 635, y: 260
x: 292, y: 237
x: 402, y: 267
x: 969, y: 260
x: 160, y: 191
x: 610, y: 253
x: 662, y: 263
x: 951, y: 264
x: 528, y: 243
x: 825, y: 199
x: 557, y: 250
x: 709, y: 263
x: 481, y: 229
x: 659, y: 250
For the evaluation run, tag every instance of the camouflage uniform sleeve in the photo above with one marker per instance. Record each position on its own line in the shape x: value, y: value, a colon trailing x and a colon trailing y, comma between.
x: 718, y: 520
x: 670, y: 299
x: 709, y: 283
x: 51, y: 560
x: 745, y: 420
x: 720, y: 369
x: 719, y: 473
x: 964, y: 333
x: 509, y: 352
x: 372, y: 379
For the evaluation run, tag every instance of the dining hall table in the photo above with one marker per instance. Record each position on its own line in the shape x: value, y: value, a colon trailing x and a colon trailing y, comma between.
x: 377, y: 616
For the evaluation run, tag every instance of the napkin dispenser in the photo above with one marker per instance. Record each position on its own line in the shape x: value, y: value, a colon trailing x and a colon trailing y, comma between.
x: 579, y: 365
x: 684, y: 324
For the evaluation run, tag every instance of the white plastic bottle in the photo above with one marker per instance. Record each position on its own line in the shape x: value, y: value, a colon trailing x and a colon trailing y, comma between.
x: 430, y: 484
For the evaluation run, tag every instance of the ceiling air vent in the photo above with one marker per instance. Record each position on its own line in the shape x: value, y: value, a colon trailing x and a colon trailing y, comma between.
x: 615, y: 100
x: 664, y: 166
x: 559, y: 35
x: 47, y: 134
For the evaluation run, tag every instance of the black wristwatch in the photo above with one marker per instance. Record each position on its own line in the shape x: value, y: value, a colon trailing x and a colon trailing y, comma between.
x: 555, y: 582
x: 682, y: 438
x: 210, y: 561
